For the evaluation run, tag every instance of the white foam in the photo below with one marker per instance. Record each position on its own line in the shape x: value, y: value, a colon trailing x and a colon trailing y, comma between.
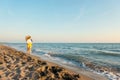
x: 47, y: 55
x: 110, y: 75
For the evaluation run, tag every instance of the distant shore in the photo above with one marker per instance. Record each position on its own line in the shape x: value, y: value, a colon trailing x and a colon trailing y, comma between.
x: 17, y: 65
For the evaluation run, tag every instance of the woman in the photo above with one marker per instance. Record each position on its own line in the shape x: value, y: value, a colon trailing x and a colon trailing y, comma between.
x: 29, y: 43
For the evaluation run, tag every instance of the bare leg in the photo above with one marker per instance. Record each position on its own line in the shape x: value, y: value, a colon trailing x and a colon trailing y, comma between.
x: 28, y: 50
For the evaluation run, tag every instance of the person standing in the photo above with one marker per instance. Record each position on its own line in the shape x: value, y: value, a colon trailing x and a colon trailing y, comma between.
x: 29, y: 44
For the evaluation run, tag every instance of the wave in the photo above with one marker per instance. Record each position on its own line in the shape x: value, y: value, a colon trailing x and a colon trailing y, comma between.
x: 108, y: 53
x: 39, y: 51
x: 114, y: 50
x: 72, y: 58
x: 93, y: 51
x: 99, y: 52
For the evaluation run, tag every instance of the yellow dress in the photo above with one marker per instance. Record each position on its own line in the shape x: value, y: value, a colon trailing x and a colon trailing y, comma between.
x: 29, y: 43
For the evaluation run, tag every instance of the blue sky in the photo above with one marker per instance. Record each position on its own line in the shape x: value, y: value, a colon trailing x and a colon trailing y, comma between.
x: 60, y: 20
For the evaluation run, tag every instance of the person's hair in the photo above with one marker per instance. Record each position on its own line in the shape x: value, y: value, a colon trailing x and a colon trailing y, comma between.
x: 27, y: 37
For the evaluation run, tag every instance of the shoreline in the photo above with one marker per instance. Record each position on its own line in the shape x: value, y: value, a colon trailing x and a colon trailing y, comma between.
x: 19, y: 65
x: 76, y: 69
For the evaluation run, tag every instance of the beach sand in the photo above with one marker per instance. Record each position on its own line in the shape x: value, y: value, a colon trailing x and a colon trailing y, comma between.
x: 17, y: 65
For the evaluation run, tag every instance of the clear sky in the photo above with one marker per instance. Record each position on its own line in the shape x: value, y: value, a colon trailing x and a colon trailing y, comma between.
x: 60, y: 20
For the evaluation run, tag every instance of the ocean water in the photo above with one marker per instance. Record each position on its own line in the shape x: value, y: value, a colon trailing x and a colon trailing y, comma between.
x: 103, y: 58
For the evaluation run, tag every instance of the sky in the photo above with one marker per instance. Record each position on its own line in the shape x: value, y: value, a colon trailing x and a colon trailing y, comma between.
x: 69, y: 21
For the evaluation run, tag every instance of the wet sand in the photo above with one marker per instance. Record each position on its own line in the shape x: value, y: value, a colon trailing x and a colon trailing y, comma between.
x: 17, y: 65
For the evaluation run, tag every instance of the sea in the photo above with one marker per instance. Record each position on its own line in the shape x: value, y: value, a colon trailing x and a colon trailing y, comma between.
x: 101, y: 58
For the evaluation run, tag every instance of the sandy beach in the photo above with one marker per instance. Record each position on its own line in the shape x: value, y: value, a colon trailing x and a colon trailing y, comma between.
x: 17, y: 65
